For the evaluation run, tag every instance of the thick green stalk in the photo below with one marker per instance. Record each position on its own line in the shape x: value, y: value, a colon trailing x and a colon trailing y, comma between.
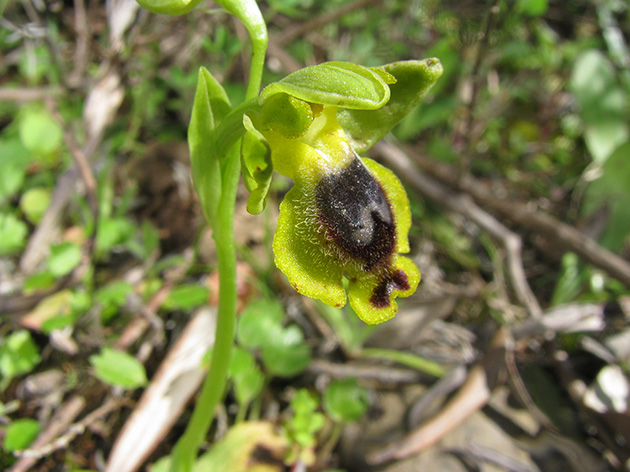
x: 213, y: 388
x: 185, y: 451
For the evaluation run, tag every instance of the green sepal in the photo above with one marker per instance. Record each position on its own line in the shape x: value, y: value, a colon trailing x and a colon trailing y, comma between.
x: 340, y: 84
x: 211, y: 105
x: 169, y: 7
x: 413, y: 80
x: 256, y: 167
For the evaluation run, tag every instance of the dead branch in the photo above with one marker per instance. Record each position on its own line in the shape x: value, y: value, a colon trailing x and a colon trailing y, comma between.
x: 473, y: 395
x: 574, y: 317
x: 85, y: 170
x: 72, y: 431
x: 566, y: 236
x: 385, y: 374
x: 62, y: 419
x: 463, y: 204
x: 28, y: 94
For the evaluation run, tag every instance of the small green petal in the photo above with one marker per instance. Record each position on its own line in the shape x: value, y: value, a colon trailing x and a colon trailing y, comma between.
x: 413, y: 81
x: 255, y: 166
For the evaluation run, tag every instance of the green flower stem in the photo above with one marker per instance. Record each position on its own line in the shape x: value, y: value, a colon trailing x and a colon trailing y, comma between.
x: 185, y: 452
x: 214, y: 385
x: 248, y: 12
x: 405, y: 358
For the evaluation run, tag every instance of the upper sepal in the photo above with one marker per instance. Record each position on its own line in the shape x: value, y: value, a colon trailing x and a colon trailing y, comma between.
x: 413, y: 80
x: 339, y: 84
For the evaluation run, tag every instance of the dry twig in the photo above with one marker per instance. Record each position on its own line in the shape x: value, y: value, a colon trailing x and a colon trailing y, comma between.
x: 564, y: 235
x: 472, y: 396
x: 59, y: 423
x: 464, y: 205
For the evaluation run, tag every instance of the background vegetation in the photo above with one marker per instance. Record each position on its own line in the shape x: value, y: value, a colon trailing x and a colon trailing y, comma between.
x: 518, y: 169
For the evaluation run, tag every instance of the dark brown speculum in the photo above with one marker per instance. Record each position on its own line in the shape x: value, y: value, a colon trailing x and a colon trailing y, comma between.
x: 357, y: 216
x: 396, y: 280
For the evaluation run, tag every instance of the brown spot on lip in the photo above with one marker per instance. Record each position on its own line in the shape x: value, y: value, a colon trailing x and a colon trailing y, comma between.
x: 381, y: 297
x: 399, y: 279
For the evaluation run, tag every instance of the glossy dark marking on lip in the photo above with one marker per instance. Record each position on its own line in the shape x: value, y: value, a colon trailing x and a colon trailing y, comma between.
x: 382, y: 293
x: 356, y: 213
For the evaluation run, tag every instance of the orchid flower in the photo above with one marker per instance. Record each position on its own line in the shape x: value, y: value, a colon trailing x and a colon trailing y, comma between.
x: 345, y: 216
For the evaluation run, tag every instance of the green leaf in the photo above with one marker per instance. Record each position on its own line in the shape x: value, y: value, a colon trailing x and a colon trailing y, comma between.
x: 150, y: 238
x: 185, y: 297
x: 55, y: 305
x: 610, y: 193
x: 63, y: 258
x: 602, y: 102
x: 345, y: 400
x: 71, y: 305
x: 256, y: 167
x: 15, y: 159
x: 12, y: 234
x: 532, y: 7
x: 570, y: 281
x: 20, y: 434
x: 118, y: 368
x: 340, y: 84
x: 282, y: 349
x: 306, y: 420
x: 112, y: 232
x: 210, y: 107
x: 18, y: 355
x: 259, y: 323
x: 40, y: 281
x: 413, y: 80
x: 286, y: 355
x: 247, y: 376
x: 34, y: 203
x: 114, y: 293
x: 40, y: 133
